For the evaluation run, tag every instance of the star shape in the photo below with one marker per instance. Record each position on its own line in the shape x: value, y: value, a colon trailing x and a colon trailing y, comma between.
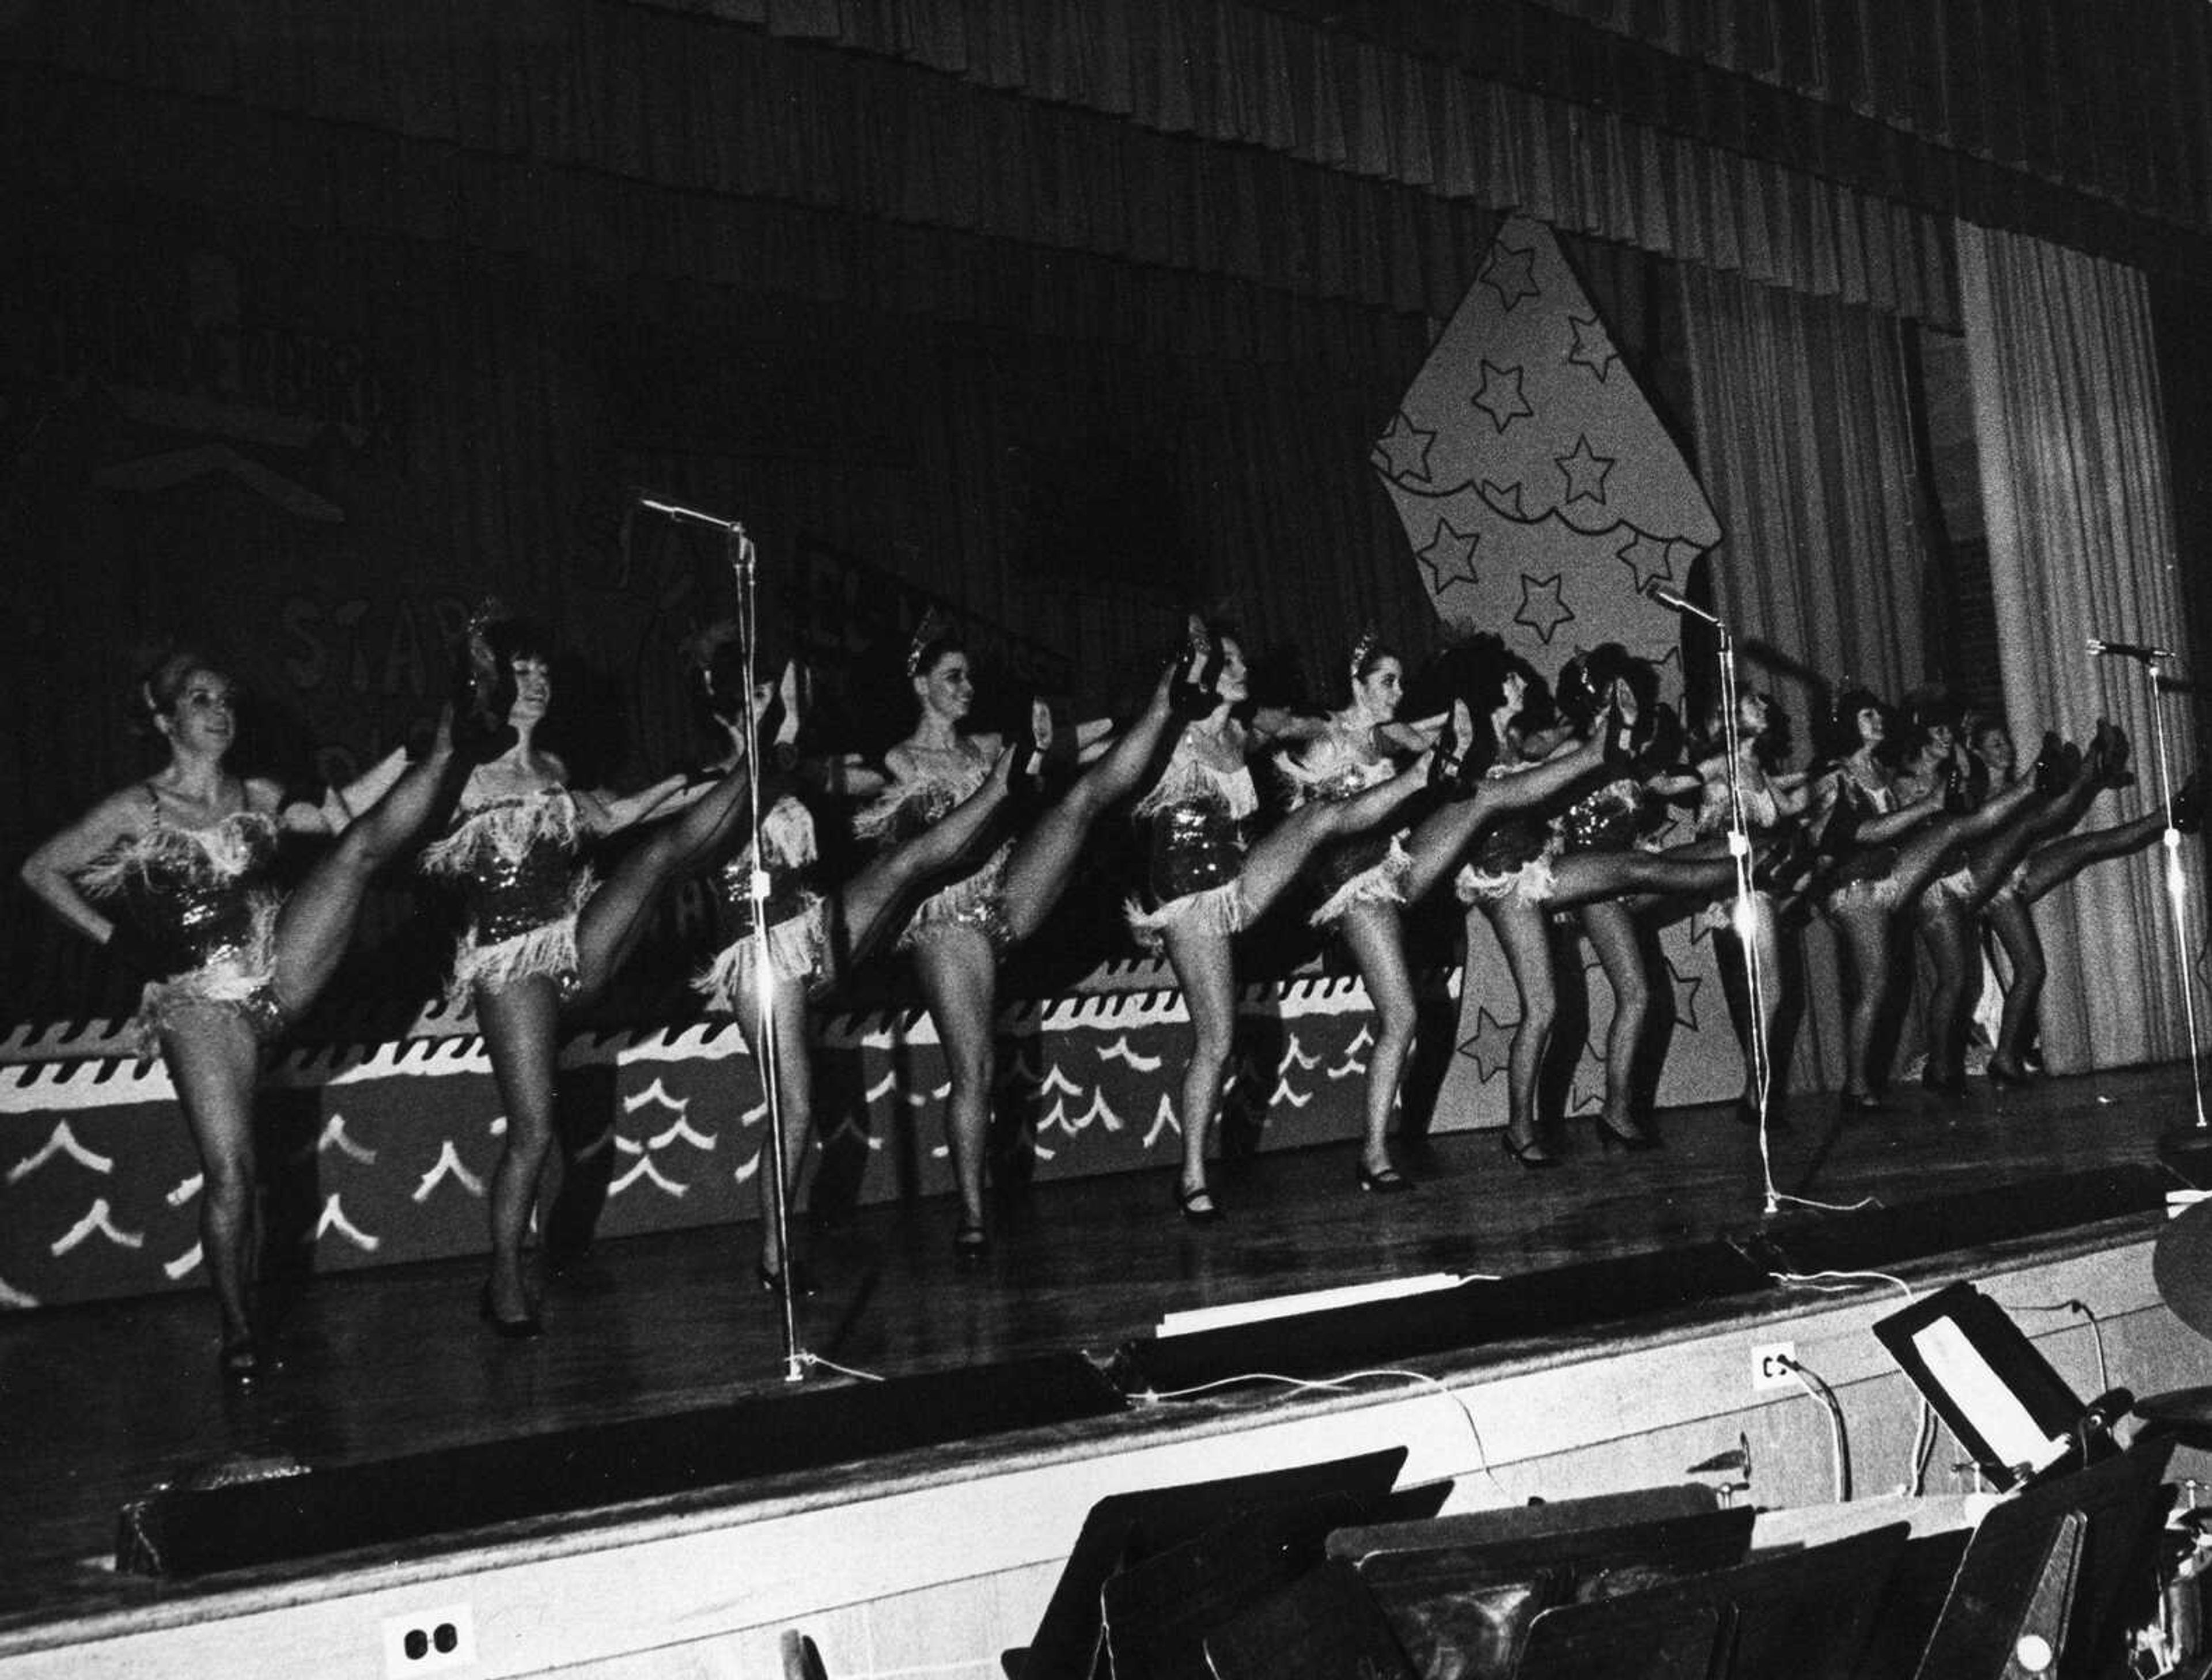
x: 1490, y: 1048
x: 1541, y: 609
x: 1593, y: 346
x: 1500, y: 396
x: 1449, y: 556
x: 1646, y: 559
x: 1588, y: 1092
x: 1505, y: 499
x: 1686, y: 995
x: 1512, y: 273
x: 1585, y: 471
x: 1406, y: 448
x: 1681, y: 555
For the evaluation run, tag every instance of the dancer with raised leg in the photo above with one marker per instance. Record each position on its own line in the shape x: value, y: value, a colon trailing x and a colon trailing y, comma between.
x: 543, y: 933
x: 815, y: 933
x: 958, y: 934
x: 173, y: 874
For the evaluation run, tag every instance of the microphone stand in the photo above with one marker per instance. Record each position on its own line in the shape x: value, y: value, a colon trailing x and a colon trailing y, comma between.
x: 2176, y: 884
x: 743, y: 568
x: 1746, y: 916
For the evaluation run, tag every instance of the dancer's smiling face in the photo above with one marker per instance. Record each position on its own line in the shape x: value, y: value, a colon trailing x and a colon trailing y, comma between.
x: 947, y: 689
x: 1993, y: 747
x: 1872, y: 726
x: 1234, y: 682
x: 1378, y: 691
x: 533, y: 689
x: 203, y: 716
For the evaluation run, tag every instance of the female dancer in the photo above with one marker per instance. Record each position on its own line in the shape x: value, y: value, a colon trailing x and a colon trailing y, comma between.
x: 1204, y: 885
x: 172, y: 875
x: 2008, y: 881
x: 1907, y: 843
x: 812, y: 936
x: 1519, y: 869
x: 958, y: 934
x: 542, y: 933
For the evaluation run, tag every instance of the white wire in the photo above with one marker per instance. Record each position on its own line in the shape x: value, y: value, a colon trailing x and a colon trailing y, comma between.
x: 1341, y: 1385
x: 1835, y: 1284
x: 2083, y: 1309
x: 846, y: 1370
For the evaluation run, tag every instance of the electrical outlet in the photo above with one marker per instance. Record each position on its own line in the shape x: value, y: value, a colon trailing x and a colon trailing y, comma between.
x: 430, y: 1641
x: 1770, y: 1364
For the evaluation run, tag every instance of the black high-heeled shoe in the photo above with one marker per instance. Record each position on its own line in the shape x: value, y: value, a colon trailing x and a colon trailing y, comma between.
x: 771, y: 1280
x: 2001, y: 1076
x: 2050, y: 771
x: 1529, y: 1155
x: 1853, y: 1104
x: 1634, y: 1140
x: 971, y: 1241
x: 1193, y: 691
x: 1186, y: 1200
x: 239, y: 1362
x: 527, y: 1328
x: 1389, y: 1182
x: 1951, y: 1087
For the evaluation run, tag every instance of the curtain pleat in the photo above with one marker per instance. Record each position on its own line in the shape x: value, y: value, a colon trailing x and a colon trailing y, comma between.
x: 2075, y: 494
x: 1804, y: 447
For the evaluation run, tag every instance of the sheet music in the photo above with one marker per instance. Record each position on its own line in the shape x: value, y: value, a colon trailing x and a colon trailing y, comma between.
x: 1985, y: 1399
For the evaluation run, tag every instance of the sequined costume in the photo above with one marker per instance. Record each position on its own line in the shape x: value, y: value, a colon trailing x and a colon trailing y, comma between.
x: 1368, y: 868
x: 1193, y: 823
x: 1866, y: 878
x: 976, y: 900
x: 797, y: 924
x: 1512, y: 857
x: 1762, y: 814
x: 200, y: 897
x: 513, y: 859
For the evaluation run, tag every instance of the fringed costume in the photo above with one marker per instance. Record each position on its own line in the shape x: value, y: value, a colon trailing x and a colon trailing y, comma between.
x: 1367, y: 869
x: 976, y: 900
x: 200, y: 897
x: 1193, y: 823
x: 514, y: 860
x: 798, y: 925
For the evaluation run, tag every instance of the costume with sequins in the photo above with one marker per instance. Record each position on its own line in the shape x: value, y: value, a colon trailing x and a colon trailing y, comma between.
x: 1193, y: 826
x: 513, y: 859
x: 798, y: 926
x: 976, y: 900
x: 1762, y: 814
x: 1368, y: 868
x: 200, y: 897
x: 1859, y: 883
x: 1512, y: 857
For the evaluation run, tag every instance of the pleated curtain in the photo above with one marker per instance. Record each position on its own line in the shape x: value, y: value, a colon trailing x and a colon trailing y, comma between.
x: 2075, y: 483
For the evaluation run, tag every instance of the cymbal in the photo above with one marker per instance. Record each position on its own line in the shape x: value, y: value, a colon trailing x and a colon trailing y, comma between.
x: 2181, y: 1265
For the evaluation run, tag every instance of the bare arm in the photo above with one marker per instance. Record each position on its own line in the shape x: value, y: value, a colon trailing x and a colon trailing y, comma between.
x: 1277, y: 726
x: 51, y: 871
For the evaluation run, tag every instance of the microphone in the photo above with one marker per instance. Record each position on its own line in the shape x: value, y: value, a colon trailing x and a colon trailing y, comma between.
x: 647, y: 499
x: 2103, y: 649
x: 1659, y: 594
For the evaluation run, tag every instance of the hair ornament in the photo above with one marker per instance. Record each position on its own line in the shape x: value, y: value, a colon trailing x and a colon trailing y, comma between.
x: 933, y: 625
x: 1363, y: 648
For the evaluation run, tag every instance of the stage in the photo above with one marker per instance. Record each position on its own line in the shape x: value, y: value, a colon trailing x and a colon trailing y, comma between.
x: 2046, y: 1197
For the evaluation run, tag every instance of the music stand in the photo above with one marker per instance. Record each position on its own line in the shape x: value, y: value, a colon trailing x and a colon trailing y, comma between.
x: 2002, y: 1402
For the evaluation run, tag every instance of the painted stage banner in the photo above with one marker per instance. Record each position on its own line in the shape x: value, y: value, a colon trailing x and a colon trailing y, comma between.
x: 1542, y: 496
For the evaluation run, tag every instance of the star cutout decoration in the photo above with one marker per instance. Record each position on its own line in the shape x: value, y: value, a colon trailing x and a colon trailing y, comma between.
x: 1542, y: 610
x: 1593, y: 346
x: 1405, y: 446
x: 1686, y: 995
x: 1512, y: 273
x: 1588, y: 1092
x: 1500, y: 396
x: 1504, y: 500
x: 1646, y: 559
x: 1491, y: 1049
x: 1585, y: 470
x: 1450, y: 557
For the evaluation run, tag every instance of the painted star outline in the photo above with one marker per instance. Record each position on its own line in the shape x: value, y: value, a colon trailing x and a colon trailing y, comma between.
x: 1449, y: 556
x: 1492, y: 397
x: 1512, y: 273
x: 1406, y: 448
x: 1586, y: 470
x: 1593, y: 347
x: 1649, y: 559
x: 1542, y: 609
x: 1491, y: 1046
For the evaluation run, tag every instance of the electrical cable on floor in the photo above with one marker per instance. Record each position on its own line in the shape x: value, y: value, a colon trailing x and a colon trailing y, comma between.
x: 2080, y: 1309
x: 1838, y: 1283
x: 1816, y: 1385
x: 1341, y: 1385
x: 842, y: 1370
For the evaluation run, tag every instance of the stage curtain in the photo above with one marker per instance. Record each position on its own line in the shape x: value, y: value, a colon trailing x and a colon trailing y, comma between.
x: 1213, y: 136
x: 2080, y: 517
x: 1804, y: 445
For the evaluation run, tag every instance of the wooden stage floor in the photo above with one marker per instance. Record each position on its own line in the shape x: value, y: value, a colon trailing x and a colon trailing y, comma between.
x: 98, y: 1404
